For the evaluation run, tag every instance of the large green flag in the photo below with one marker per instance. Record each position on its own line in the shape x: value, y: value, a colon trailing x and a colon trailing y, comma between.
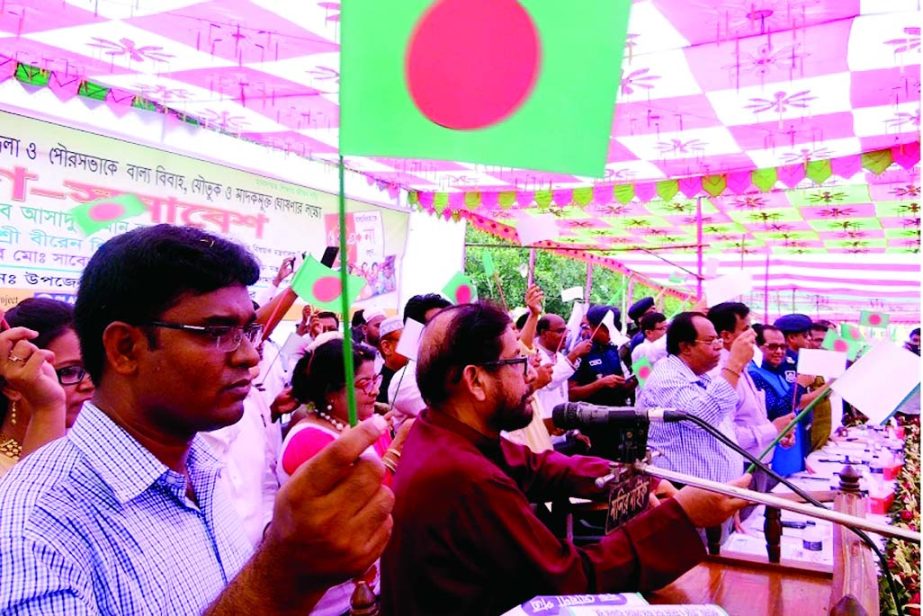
x: 500, y: 82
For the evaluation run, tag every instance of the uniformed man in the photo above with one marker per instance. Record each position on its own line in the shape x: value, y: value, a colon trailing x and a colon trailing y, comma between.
x: 637, y: 310
x: 601, y: 377
x: 797, y: 331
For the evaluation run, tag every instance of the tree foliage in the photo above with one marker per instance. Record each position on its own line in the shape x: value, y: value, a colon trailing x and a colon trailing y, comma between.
x: 553, y: 273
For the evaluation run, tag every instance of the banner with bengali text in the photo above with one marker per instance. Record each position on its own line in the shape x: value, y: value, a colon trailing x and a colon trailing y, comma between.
x: 46, y: 170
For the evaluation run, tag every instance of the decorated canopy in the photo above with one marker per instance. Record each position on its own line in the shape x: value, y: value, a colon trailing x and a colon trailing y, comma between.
x: 782, y: 135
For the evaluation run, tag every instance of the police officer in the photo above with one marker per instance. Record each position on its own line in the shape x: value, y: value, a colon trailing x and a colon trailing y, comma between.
x: 601, y: 377
x: 797, y: 331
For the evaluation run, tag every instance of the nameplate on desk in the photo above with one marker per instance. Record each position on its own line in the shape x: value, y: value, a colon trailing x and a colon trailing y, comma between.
x: 627, y: 498
x: 560, y: 605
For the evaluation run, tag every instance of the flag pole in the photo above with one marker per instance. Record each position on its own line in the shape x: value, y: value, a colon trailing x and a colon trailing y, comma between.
x: 344, y: 302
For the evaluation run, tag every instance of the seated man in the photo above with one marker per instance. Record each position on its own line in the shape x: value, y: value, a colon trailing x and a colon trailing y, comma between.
x: 466, y: 540
x: 681, y: 381
x: 126, y: 515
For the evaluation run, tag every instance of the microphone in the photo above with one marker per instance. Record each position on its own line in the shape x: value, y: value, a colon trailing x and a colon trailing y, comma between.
x: 583, y: 415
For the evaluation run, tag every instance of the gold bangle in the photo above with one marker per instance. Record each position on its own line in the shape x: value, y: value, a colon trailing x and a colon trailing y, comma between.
x: 394, y: 452
x: 389, y: 465
x: 732, y: 371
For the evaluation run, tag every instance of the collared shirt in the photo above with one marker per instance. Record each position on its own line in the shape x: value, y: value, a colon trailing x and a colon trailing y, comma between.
x: 602, y: 360
x: 751, y: 423
x: 466, y: 541
x: 685, y: 447
x: 93, y: 523
x: 555, y: 392
x: 404, y: 394
x: 249, y: 450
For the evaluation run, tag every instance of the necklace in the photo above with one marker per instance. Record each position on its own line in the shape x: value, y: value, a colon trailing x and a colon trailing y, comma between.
x: 336, y: 423
x: 10, y: 448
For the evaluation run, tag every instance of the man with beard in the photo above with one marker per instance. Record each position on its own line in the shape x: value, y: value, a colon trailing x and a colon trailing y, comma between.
x: 465, y: 539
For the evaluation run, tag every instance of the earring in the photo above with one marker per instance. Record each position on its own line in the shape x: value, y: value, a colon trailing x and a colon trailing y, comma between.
x: 13, y: 412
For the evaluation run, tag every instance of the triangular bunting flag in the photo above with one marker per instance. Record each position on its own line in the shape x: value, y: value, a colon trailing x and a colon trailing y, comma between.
x: 460, y: 289
x: 320, y: 286
x: 96, y: 215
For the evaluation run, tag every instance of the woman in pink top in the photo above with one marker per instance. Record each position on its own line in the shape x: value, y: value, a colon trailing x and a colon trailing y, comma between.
x: 318, y: 382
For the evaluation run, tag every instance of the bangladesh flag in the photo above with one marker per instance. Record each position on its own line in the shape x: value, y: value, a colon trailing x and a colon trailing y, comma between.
x: 320, y: 286
x: 850, y: 332
x: 642, y: 369
x: 460, y: 289
x: 95, y: 216
x: 869, y: 318
x: 498, y: 82
x: 835, y: 342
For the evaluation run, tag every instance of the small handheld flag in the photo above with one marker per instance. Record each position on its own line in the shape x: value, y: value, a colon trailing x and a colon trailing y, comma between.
x: 460, y: 289
x: 97, y: 215
x: 835, y: 342
x: 320, y: 286
x: 488, y: 261
x: 642, y: 369
x: 869, y: 318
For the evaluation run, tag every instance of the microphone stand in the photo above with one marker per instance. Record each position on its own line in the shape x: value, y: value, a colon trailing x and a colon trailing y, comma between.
x: 774, y: 501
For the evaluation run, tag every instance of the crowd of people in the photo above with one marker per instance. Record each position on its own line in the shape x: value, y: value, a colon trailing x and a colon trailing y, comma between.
x: 161, y: 453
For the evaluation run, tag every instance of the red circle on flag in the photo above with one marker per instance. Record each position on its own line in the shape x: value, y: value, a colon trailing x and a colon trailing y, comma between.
x: 326, y: 289
x: 841, y: 346
x: 644, y: 372
x: 472, y: 63
x: 463, y: 294
x: 874, y: 319
x: 106, y: 210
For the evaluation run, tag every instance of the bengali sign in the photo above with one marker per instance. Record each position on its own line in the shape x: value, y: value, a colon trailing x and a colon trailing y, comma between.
x: 46, y: 170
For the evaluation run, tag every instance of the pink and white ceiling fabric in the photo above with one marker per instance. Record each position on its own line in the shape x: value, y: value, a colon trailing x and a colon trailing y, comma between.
x: 713, y: 94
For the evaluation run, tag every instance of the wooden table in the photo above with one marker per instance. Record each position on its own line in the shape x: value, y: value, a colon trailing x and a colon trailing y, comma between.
x: 745, y: 589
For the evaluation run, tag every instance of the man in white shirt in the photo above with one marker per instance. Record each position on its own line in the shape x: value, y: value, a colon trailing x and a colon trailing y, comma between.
x: 403, y: 392
x: 551, y: 330
x: 654, y: 347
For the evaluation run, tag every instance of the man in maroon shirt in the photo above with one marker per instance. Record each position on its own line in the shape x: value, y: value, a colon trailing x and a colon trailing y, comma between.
x: 465, y: 540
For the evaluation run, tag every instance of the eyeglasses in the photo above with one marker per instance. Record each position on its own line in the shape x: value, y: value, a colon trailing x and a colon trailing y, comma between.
x: 369, y: 385
x: 227, y: 337
x: 522, y: 359
x: 71, y: 375
x: 715, y: 342
x: 773, y: 347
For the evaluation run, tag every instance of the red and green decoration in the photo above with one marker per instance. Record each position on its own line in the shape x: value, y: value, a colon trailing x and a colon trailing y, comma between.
x: 903, y: 556
x: 869, y: 318
x: 94, y: 216
x: 320, y: 287
x: 484, y: 81
x: 460, y: 289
